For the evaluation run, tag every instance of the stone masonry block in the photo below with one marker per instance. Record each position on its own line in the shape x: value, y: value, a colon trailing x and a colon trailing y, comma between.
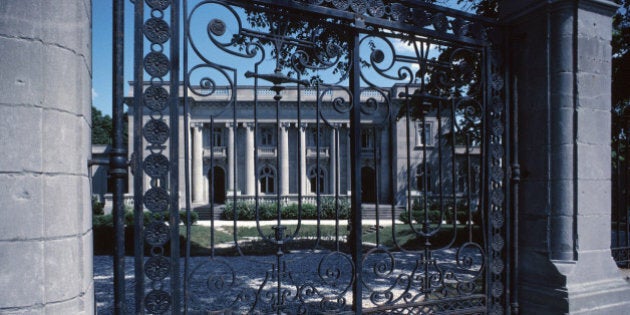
x: 62, y: 131
x: 594, y: 55
x: 562, y: 196
x: 63, y: 270
x: 562, y: 124
x: 87, y: 261
x: 592, y: 229
x: 32, y: 19
x: 61, y: 205
x: 562, y: 157
x: 593, y: 126
x: 592, y: 164
x: 63, y: 93
x: 21, y: 263
x: 21, y: 81
x: 21, y: 196
x: 85, y: 206
x: 594, y: 197
x: 20, y: 125
x: 595, y: 24
x: 73, y: 306
x: 594, y: 91
x: 562, y: 88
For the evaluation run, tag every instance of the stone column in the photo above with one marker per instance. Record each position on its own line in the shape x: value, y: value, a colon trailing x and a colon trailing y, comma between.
x: 250, y: 173
x: 561, y: 66
x: 303, y: 189
x: 45, y: 97
x: 283, y: 155
x: 332, y: 151
x: 231, y: 158
x: 197, y: 170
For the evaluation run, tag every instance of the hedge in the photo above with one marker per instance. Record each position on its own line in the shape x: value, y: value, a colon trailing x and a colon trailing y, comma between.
x: 328, y: 209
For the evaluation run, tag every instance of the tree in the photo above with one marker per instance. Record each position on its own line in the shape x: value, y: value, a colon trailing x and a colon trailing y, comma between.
x: 621, y: 56
x: 101, y: 127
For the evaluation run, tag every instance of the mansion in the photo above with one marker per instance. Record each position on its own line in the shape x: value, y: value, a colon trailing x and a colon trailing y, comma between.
x: 248, y: 146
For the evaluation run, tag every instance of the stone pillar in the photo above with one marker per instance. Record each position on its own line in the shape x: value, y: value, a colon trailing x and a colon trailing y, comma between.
x: 231, y: 158
x: 303, y: 189
x: 561, y: 66
x: 332, y: 170
x: 250, y: 173
x: 283, y: 155
x: 197, y: 170
x: 45, y: 96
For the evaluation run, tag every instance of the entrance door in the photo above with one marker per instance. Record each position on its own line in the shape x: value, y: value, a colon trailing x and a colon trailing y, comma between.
x: 368, y: 186
x: 217, y: 182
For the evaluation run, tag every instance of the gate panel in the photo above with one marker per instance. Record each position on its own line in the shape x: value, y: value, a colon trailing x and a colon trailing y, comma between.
x: 350, y: 157
x: 155, y: 158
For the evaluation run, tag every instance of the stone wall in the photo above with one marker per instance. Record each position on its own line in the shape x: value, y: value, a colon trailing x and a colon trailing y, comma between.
x: 45, y: 98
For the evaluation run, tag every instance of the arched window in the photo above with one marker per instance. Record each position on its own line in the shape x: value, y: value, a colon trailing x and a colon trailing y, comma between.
x: 316, y: 179
x: 423, y: 178
x: 267, y: 177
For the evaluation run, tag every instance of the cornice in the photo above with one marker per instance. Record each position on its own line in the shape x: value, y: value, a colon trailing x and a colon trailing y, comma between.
x: 520, y: 13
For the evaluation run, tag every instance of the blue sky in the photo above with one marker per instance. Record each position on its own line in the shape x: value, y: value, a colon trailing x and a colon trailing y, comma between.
x: 102, y: 51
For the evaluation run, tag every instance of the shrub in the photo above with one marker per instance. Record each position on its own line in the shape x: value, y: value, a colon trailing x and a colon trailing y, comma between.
x: 329, y: 209
x: 309, y: 211
x: 268, y: 211
x: 107, y: 220
x: 97, y: 206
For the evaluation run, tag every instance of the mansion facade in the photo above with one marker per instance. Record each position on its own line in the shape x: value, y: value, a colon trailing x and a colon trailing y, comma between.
x: 248, y: 146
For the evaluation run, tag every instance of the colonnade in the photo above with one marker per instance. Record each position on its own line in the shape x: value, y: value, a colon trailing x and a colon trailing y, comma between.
x: 332, y: 160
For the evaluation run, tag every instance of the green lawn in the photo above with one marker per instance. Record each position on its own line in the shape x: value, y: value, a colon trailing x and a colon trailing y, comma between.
x: 251, y: 241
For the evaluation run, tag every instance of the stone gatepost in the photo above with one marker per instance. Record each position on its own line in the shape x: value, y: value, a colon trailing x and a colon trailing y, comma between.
x: 561, y: 65
x: 45, y: 209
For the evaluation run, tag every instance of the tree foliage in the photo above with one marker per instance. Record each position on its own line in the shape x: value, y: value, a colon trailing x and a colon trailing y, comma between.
x: 621, y: 55
x: 101, y: 127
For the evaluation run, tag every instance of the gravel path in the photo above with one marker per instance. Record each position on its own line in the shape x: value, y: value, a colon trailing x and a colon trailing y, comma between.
x: 323, y: 279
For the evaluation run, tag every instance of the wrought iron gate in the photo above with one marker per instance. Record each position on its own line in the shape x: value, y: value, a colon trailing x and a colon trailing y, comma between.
x: 358, y: 151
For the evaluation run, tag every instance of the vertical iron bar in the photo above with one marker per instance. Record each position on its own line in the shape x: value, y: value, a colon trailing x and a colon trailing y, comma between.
x: 299, y: 154
x: 174, y: 157
x: 138, y: 150
x: 337, y: 181
x: 118, y: 155
x: 355, y: 146
x: 408, y: 156
x: 468, y: 188
x: 623, y: 245
x: 187, y: 169
x: 516, y: 179
x: 440, y: 161
x: 375, y: 155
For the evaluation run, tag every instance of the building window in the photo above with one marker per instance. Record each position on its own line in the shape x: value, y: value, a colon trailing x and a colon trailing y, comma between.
x: 267, y: 177
x: 367, y: 139
x: 316, y: 179
x: 217, y: 136
x: 267, y: 136
x: 423, y: 178
x: 423, y: 134
x: 463, y: 176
